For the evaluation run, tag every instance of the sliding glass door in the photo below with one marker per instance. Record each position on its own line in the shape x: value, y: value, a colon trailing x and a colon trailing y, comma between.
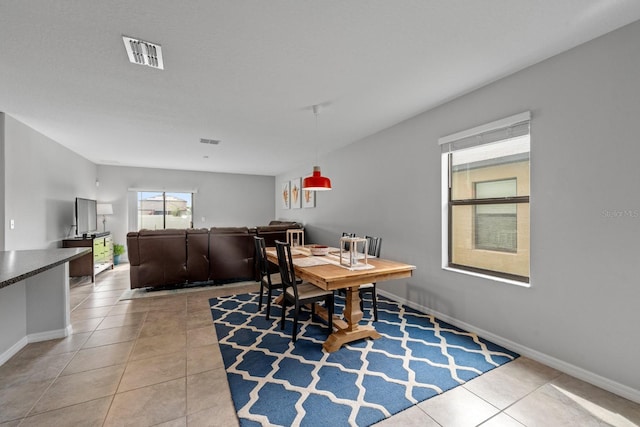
x: 159, y: 210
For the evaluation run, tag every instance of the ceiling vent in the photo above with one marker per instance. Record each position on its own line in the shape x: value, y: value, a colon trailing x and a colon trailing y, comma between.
x: 144, y: 53
x: 209, y: 141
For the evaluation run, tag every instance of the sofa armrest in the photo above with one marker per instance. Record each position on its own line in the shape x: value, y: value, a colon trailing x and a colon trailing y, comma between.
x: 134, y: 259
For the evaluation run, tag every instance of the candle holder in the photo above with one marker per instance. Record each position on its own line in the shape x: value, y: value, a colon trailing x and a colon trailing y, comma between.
x: 350, y: 257
x: 295, y: 237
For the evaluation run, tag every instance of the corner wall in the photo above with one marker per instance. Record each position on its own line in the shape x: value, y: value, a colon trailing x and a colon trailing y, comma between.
x: 580, y: 313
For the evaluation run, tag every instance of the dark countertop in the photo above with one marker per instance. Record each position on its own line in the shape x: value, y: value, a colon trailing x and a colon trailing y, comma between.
x: 16, y: 266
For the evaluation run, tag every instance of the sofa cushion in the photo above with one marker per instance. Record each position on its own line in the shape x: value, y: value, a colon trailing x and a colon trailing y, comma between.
x: 288, y: 224
x: 164, y: 232
x: 198, y: 255
x: 163, y: 257
x: 231, y: 255
x: 229, y: 230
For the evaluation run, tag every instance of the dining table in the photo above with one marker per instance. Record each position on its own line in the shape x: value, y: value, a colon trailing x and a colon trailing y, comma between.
x: 332, y: 272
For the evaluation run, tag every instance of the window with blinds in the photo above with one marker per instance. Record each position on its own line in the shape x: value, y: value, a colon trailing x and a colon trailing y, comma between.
x: 487, y: 191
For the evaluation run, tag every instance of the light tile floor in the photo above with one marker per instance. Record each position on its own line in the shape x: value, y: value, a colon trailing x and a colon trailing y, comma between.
x: 155, y: 361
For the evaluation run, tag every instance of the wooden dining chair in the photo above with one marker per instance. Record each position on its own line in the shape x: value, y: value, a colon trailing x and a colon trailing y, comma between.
x: 268, y: 280
x: 299, y: 294
x: 375, y: 244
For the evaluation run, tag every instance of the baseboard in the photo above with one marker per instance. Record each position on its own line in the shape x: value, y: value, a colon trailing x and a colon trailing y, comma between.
x: 562, y: 366
x: 11, y: 351
x: 40, y: 336
x: 50, y: 335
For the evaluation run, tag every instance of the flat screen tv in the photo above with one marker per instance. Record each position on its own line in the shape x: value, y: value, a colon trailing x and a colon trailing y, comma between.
x: 86, y: 216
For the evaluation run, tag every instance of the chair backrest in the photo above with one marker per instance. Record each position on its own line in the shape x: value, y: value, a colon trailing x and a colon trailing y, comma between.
x: 285, y: 263
x: 375, y: 244
x: 261, y: 256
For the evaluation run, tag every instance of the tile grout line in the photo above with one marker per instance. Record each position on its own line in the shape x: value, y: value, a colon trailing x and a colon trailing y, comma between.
x: 503, y: 410
x: 113, y: 396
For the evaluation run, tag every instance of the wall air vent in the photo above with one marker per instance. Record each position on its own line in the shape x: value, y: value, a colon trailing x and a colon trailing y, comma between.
x: 209, y: 141
x: 144, y: 53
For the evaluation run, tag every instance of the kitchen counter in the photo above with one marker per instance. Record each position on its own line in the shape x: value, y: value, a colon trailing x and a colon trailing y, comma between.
x: 34, y: 297
x: 16, y: 266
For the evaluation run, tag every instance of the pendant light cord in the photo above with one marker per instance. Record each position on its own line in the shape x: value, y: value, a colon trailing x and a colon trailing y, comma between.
x: 316, y: 181
x: 315, y: 113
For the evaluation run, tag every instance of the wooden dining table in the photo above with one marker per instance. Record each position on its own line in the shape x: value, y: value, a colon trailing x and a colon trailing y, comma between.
x: 330, y: 274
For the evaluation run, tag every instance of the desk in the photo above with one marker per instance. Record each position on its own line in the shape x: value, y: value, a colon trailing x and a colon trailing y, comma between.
x: 333, y: 277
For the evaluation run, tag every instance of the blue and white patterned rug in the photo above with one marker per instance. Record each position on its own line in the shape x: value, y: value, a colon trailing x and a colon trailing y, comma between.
x: 276, y: 382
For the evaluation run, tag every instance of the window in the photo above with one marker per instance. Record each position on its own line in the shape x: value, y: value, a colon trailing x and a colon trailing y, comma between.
x: 159, y: 210
x: 495, y: 227
x: 486, y: 199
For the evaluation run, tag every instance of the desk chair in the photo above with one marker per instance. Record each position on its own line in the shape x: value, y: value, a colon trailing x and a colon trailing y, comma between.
x: 375, y: 244
x: 268, y: 280
x: 299, y: 294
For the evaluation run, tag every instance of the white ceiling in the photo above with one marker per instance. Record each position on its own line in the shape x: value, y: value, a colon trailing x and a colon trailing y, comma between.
x: 248, y: 71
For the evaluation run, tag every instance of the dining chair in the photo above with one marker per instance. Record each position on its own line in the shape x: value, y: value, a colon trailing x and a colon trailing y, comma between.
x: 268, y: 280
x: 299, y: 294
x: 375, y: 244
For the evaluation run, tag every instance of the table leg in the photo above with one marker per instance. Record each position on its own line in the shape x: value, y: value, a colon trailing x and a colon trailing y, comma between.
x: 353, y: 330
x: 352, y: 312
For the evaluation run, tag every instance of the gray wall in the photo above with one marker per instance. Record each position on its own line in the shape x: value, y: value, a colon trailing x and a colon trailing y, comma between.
x: 580, y: 313
x: 42, y: 179
x: 13, y: 330
x: 2, y: 179
x: 222, y: 199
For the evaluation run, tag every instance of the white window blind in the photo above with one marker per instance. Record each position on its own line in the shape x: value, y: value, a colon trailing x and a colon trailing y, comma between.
x: 507, y: 128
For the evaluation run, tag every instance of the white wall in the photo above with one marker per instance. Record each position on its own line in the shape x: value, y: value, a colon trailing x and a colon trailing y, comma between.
x: 41, y: 182
x: 581, y: 311
x: 222, y: 199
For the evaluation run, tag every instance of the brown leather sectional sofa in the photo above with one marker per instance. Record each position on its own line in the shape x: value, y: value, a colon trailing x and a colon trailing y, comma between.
x: 218, y: 255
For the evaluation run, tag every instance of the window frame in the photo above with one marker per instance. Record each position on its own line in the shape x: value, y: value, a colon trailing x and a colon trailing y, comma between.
x: 448, y: 203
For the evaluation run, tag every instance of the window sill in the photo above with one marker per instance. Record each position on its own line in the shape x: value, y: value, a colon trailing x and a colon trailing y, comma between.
x: 489, y: 277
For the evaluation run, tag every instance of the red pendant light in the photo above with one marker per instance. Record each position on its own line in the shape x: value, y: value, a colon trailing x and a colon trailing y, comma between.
x: 316, y: 182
